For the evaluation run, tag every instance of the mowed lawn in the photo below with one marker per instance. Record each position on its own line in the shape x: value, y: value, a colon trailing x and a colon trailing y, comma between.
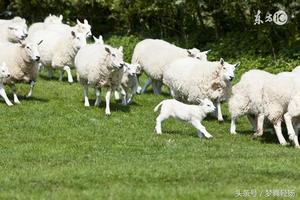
x: 52, y: 147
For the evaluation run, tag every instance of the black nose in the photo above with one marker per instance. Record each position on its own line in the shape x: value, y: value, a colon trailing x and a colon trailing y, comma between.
x: 8, y: 75
x: 122, y: 65
x: 231, y: 78
x: 25, y: 35
x: 37, y: 58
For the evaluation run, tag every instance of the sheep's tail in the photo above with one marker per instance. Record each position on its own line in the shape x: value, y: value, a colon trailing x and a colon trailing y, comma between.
x: 157, y: 107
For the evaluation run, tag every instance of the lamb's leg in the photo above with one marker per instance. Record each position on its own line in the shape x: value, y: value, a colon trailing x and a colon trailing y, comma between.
x: 155, y: 86
x: 40, y: 67
x: 252, y: 121
x: 172, y: 93
x: 200, y: 128
x: 124, y: 94
x: 233, y: 125
x: 50, y: 72
x: 98, y: 97
x: 86, y: 94
x: 291, y: 132
x: 161, y: 117
x: 220, y: 116
x: 277, y: 127
x: 77, y: 77
x: 147, y: 84
x: 107, y: 99
x: 61, y: 75
x: 3, y: 94
x: 14, y: 89
x: 32, y: 83
x: 139, y: 88
x: 133, y: 92
x: 117, y: 95
x: 68, y: 70
x: 159, y: 86
x: 259, y: 125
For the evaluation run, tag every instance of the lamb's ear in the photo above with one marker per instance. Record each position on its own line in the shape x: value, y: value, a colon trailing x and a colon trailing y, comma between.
x: 95, y: 39
x: 85, y: 21
x: 78, y: 22
x: 200, y: 101
x: 222, y: 61
x: 107, y: 50
x: 40, y: 42
x: 121, y: 49
x: 73, y: 34
x: 237, y: 65
x: 206, y: 52
x: 61, y: 17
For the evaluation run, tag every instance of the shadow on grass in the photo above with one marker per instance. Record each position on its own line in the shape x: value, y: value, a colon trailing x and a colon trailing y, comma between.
x: 181, y: 132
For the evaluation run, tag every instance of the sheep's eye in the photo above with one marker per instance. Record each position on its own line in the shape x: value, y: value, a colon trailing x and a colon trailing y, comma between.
x: 224, y: 68
x: 114, y: 55
x: 28, y: 48
x: 3, y: 71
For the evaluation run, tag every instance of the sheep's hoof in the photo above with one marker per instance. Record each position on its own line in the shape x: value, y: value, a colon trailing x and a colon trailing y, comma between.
x: 209, y: 137
x: 233, y: 133
x: 107, y: 113
x: 10, y: 104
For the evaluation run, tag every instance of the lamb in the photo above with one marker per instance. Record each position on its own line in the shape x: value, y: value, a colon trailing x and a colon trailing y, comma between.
x: 154, y: 55
x: 193, y: 114
x: 22, y: 61
x: 129, y: 82
x: 4, y: 73
x: 100, y: 66
x: 50, y: 20
x: 13, y: 30
x: 58, y: 50
x: 246, y: 98
x: 190, y: 79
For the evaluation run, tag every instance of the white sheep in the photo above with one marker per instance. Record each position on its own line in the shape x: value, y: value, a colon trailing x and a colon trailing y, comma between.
x: 22, y: 61
x: 191, y: 79
x: 129, y: 82
x: 98, y: 40
x: 100, y: 66
x: 154, y: 55
x: 13, y: 30
x: 58, y: 50
x: 193, y: 114
x: 4, y: 74
x: 246, y: 99
x: 49, y: 20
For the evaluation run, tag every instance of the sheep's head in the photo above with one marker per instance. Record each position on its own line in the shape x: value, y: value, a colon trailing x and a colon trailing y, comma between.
x: 196, y: 53
x: 79, y: 40
x: 227, y: 70
x: 84, y: 28
x: 99, y: 40
x: 31, y: 52
x: 132, y: 69
x: 116, y: 57
x: 53, y: 19
x: 4, y: 72
x: 206, y: 105
x: 17, y: 31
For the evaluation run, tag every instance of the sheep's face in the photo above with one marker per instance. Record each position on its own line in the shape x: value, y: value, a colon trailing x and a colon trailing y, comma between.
x: 132, y: 69
x: 207, y: 105
x: 53, y: 19
x: 227, y: 70
x: 17, y: 32
x: 116, y: 57
x: 79, y: 40
x: 99, y: 40
x: 196, y: 53
x: 31, y: 51
x: 4, y: 72
x: 84, y: 28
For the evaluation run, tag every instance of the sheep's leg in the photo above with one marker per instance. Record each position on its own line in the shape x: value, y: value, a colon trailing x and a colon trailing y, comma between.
x: 277, y: 127
x: 98, y: 96
x: 259, y: 125
x: 32, y: 83
x: 40, y: 67
x: 86, y: 94
x: 77, y: 77
x: 159, y: 86
x: 233, y: 125
x: 252, y: 121
x: 139, y: 88
x: 107, y: 99
x: 291, y: 132
x: 201, y: 129
x: 68, y: 70
x: 50, y: 72
x: 159, y: 120
x: 14, y: 89
x: 117, y: 95
x: 172, y: 93
x: 133, y: 91
x: 155, y: 86
x: 124, y: 94
x: 147, y: 84
x: 3, y: 94
x: 61, y: 75
x: 220, y: 116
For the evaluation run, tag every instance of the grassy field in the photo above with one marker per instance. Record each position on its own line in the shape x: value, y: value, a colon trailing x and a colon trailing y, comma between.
x: 52, y: 147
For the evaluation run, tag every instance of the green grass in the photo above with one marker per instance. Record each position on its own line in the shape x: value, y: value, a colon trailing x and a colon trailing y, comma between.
x: 52, y: 147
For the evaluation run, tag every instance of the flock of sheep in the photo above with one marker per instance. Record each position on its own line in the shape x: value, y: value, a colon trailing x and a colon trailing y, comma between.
x: 198, y: 86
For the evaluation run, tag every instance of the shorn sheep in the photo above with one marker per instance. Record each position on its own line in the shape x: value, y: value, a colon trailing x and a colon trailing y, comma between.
x: 4, y: 74
x: 58, y: 50
x: 22, y: 61
x: 13, y: 30
x: 190, y: 79
x: 101, y: 67
x: 154, y: 55
x: 193, y: 114
x: 246, y: 99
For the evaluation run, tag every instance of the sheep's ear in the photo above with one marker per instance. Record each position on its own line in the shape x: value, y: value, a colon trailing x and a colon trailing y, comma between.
x: 78, y: 22
x: 61, y: 17
x: 200, y: 101
x: 206, y: 52
x: 100, y: 39
x: 40, y: 42
x: 50, y: 14
x: 237, y: 65
x: 22, y: 44
x: 73, y: 34
x: 107, y: 50
x: 95, y: 39
x: 85, y: 21
x: 222, y: 61
x: 121, y: 49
